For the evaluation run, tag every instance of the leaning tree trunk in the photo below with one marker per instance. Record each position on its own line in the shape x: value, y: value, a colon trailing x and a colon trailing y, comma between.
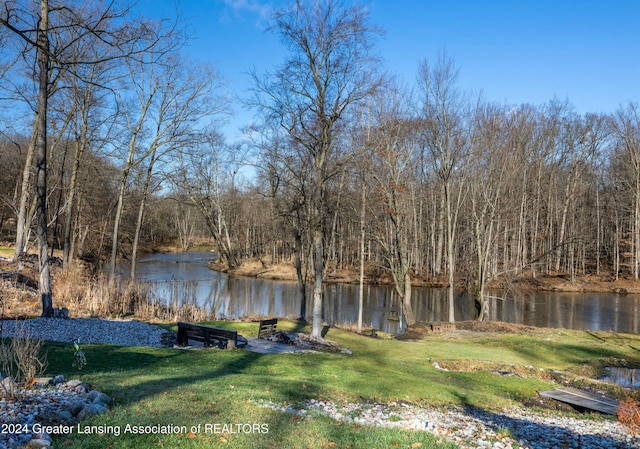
x: 21, y: 223
x: 143, y: 203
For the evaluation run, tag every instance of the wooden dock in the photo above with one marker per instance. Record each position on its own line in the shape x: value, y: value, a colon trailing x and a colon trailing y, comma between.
x: 583, y: 399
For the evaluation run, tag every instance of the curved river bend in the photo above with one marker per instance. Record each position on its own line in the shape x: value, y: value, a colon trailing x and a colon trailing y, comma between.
x: 184, y: 278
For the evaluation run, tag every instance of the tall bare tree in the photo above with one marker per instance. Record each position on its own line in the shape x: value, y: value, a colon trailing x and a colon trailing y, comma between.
x: 445, y: 146
x: 330, y: 69
x: 51, y: 32
x: 394, y: 147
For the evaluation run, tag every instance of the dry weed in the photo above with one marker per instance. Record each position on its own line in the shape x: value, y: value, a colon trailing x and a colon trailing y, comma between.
x: 21, y: 358
x: 629, y: 413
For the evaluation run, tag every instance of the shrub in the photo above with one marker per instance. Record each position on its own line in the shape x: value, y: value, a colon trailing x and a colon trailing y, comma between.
x: 629, y: 413
x: 21, y: 358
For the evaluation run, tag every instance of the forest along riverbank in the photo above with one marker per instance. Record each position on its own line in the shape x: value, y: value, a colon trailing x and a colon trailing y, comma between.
x: 526, y: 283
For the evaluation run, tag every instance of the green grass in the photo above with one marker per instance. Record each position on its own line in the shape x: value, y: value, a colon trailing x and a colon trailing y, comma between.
x: 153, y: 386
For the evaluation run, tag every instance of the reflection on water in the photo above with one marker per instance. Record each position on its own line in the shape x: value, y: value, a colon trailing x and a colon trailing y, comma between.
x: 183, y: 278
x: 625, y: 377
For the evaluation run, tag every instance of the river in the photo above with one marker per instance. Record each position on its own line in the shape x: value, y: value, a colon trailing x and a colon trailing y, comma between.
x: 184, y: 278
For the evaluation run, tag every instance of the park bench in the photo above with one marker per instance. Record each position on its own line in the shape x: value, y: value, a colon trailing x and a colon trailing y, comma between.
x: 209, y: 336
x: 267, y: 328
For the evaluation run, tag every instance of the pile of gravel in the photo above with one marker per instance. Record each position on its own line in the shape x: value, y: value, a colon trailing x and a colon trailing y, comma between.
x: 88, y: 330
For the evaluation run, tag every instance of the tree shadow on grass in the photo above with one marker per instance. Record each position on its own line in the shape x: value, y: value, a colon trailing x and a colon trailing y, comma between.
x: 541, y: 435
x: 570, y: 353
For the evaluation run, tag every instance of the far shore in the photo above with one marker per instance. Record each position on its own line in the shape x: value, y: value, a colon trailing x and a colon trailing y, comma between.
x: 604, y: 283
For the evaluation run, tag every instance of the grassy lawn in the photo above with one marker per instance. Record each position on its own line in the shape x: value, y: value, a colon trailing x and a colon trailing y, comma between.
x: 152, y: 386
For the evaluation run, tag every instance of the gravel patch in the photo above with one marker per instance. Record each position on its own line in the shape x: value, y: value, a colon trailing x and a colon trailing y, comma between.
x: 88, y: 330
x: 473, y: 428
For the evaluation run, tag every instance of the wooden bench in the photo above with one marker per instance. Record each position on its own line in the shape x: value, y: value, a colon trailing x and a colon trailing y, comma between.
x: 209, y: 336
x: 267, y: 328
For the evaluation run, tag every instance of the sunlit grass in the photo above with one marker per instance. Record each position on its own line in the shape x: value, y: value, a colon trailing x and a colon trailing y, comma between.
x: 194, y: 388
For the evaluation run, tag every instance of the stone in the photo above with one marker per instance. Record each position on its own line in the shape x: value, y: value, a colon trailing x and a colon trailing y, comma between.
x: 92, y: 409
x: 8, y: 384
x: 58, y: 379
x: 97, y: 396
x: 39, y: 443
x: 43, y: 380
x: 74, y: 407
x: 65, y: 416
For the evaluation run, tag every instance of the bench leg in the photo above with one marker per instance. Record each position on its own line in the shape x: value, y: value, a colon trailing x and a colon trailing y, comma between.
x: 182, y: 339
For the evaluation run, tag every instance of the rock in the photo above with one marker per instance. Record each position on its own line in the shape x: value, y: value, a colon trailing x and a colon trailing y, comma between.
x: 39, y: 443
x: 97, y: 396
x: 346, y: 351
x: 92, y: 409
x: 77, y: 385
x: 58, y: 379
x: 43, y: 380
x: 8, y: 384
x: 74, y: 407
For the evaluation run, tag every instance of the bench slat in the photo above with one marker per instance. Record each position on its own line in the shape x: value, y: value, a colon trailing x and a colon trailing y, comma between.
x: 209, y: 336
x: 267, y: 327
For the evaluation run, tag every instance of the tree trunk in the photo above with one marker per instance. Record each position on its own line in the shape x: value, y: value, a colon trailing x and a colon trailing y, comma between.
x: 318, y: 248
x: 116, y: 224
x: 21, y: 223
x: 143, y: 203
x: 302, y: 288
x: 363, y: 211
x: 407, y: 308
x: 41, y: 145
x: 66, y: 254
x: 450, y: 255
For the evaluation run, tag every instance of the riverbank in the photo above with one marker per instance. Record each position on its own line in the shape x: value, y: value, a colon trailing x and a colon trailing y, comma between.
x: 605, y: 283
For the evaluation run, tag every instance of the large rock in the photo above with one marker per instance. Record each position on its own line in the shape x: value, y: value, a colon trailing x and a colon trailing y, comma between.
x: 97, y: 396
x: 92, y: 409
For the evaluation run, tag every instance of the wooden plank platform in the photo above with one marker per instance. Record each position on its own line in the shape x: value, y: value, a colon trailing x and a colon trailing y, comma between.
x: 583, y: 399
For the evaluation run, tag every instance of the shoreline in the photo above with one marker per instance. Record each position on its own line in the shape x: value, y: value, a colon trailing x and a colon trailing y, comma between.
x: 589, y: 283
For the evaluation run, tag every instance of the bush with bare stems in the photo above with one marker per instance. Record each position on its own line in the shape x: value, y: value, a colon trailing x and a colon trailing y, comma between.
x: 22, y: 359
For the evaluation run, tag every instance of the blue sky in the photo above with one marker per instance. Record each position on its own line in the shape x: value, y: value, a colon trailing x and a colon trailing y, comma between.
x: 517, y: 51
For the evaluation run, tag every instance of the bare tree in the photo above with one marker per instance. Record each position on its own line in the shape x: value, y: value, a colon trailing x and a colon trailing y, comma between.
x: 51, y: 32
x: 187, y: 95
x: 626, y: 128
x: 394, y: 145
x: 492, y: 170
x: 330, y: 69
x: 445, y: 146
x: 207, y: 169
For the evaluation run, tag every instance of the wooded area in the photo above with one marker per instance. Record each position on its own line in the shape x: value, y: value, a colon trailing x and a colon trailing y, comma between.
x: 110, y: 138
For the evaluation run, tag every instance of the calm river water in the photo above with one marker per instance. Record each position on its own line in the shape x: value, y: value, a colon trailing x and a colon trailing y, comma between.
x: 185, y: 278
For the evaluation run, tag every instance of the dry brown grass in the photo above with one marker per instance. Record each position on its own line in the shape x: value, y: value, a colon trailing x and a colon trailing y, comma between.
x: 629, y: 414
x: 87, y: 295
x: 96, y: 296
